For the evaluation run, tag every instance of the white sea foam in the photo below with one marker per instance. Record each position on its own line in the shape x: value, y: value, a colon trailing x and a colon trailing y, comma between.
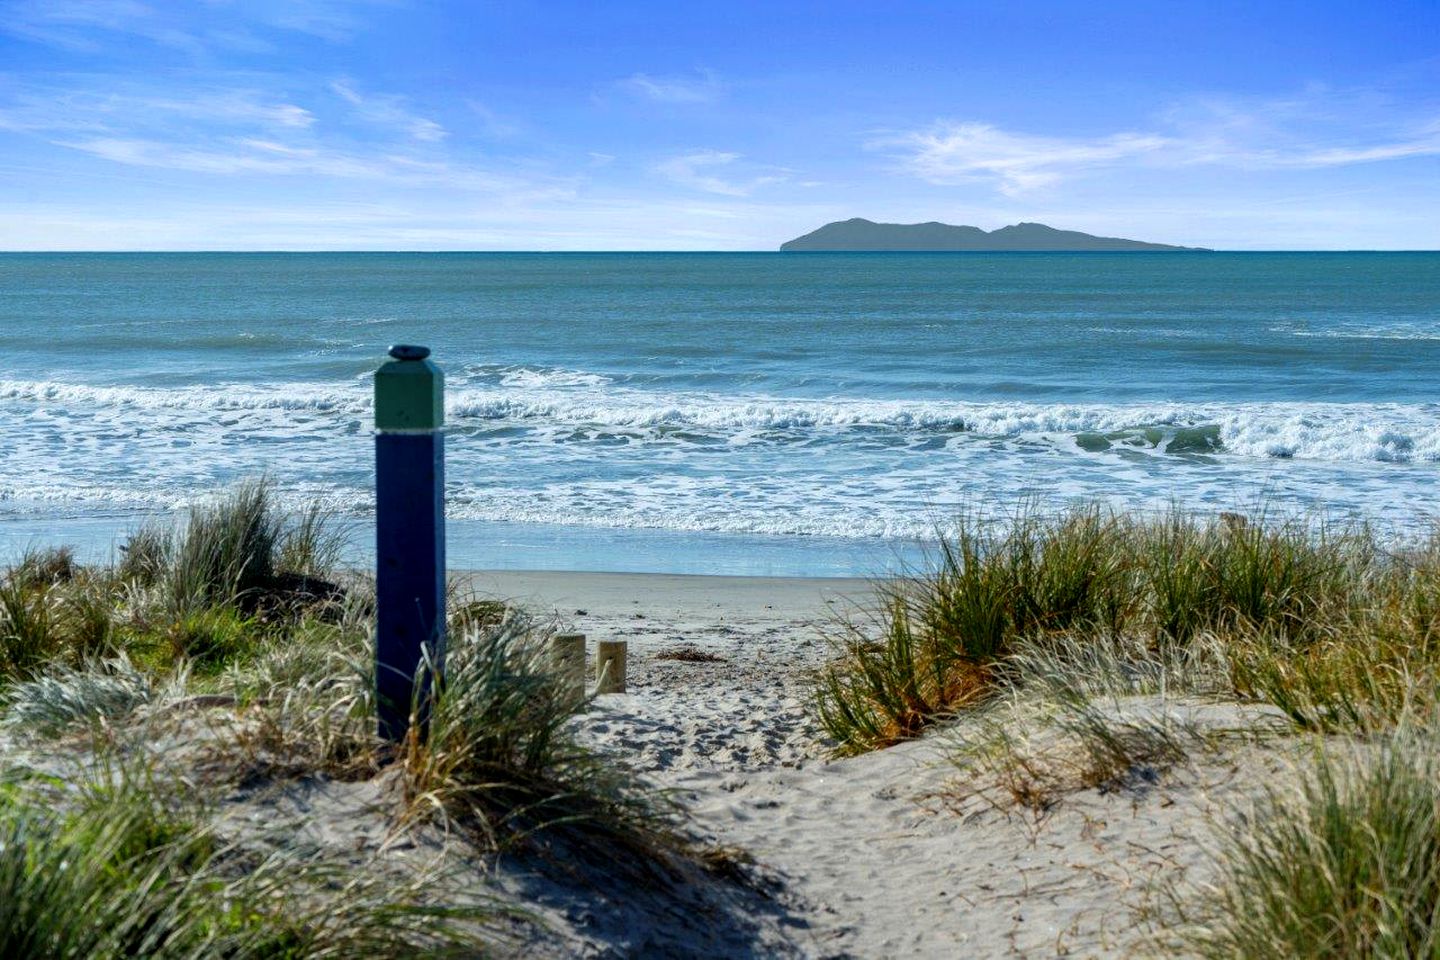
x: 1333, y: 432
x: 1399, y: 330
x: 218, y: 397
x: 560, y: 449
x: 532, y: 378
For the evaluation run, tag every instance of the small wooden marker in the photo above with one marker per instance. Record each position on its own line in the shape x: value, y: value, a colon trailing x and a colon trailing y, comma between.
x: 567, y: 651
x: 610, y: 667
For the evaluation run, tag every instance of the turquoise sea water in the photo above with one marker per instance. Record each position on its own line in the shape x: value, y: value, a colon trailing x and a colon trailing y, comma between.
x: 735, y: 413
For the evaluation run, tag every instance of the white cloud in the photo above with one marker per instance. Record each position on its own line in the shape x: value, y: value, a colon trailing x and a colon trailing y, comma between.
x: 255, y: 156
x: 702, y: 89
x: 193, y: 28
x: 386, y: 110
x: 492, y: 124
x: 99, y: 106
x: 83, y: 24
x: 1284, y: 134
x: 696, y: 170
x: 1420, y: 143
x: 240, y: 156
x: 235, y: 132
x: 950, y: 153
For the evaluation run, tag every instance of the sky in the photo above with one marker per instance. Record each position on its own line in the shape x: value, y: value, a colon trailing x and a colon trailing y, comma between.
x: 515, y: 125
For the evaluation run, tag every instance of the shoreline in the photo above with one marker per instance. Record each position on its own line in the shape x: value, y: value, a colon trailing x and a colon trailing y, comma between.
x: 689, y: 595
x: 523, y: 547
x: 719, y: 666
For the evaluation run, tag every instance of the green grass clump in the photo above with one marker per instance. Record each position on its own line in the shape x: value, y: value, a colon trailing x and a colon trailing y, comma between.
x: 238, y: 550
x: 226, y: 550
x: 1330, y: 626
x: 63, y: 696
x: 1064, y: 574
x: 227, y: 640
x: 943, y: 637
x: 211, y: 637
x: 500, y: 757
x: 145, y: 555
x: 38, y: 568
x: 113, y: 872
x: 27, y: 628
x: 202, y: 593
x: 310, y: 542
x: 1347, y: 867
x: 43, y: 620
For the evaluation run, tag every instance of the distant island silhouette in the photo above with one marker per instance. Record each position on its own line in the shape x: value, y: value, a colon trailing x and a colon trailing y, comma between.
x: 859, y: 234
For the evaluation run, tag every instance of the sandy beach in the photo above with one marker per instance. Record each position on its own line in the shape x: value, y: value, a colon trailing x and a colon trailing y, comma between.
x: 717, y: 665
x: 881, y: 855
x: 1072, y: 810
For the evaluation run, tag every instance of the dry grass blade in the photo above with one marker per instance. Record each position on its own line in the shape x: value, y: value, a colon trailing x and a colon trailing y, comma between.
x: 1326, y: 623
x: 1346, y: 866
x: 108, y: 870
x: 500, y: 761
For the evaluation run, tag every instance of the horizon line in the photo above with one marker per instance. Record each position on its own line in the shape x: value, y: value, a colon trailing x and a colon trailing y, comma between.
x: 788, y: 253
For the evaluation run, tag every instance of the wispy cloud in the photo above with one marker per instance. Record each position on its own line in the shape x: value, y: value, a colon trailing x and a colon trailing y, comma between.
x: 698, y: 170
x: 703, y: 88
x: 92, y: 25
x: 249, y: 155
x: 1297, y: 133
x: 334, y: 20
x: 338, y: 132
x: 491, y: 123
x: 99, y: 104
x: 82, y: 25
x: 238, y: 156
x: 389, y: 111
x: 950, y: 153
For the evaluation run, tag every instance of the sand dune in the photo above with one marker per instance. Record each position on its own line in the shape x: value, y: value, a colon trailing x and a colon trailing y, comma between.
x: 881, y: 855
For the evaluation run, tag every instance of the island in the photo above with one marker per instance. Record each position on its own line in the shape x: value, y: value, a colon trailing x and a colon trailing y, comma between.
x: 858, y: 234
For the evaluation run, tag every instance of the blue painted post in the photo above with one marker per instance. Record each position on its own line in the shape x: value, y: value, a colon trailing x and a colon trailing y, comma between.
x: 409, y: 533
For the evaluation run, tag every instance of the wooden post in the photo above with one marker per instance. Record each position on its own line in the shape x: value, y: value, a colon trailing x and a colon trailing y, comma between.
x: 567, y: 650
x: 610, y: 667
x: 409, y: 534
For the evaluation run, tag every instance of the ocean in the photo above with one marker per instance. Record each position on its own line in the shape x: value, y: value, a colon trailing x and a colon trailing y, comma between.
x: 756, y: 413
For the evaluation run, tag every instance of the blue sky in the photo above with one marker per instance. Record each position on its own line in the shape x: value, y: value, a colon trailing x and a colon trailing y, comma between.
x: 321, y: 124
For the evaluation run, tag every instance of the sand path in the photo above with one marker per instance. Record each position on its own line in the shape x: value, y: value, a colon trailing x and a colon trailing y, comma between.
x: 872, y: 860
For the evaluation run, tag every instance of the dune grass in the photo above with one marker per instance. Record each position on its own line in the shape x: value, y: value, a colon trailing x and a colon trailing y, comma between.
x: 1094, y: 651
x: 1083, y: 713
x: 62, y: 696
x: 500, y: 758
x: 1345, y: 865
x: 1326, y: 623
x: 118, y: 867
x: 228, y: 637
x: 498, y: 761
x: 203, y: 591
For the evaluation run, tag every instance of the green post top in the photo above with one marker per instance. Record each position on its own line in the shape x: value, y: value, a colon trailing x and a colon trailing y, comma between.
x: 409, y: 391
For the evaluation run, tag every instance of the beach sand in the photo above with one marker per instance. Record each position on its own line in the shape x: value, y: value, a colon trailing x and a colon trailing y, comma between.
x: 743, y: 710
x: 882, y: 855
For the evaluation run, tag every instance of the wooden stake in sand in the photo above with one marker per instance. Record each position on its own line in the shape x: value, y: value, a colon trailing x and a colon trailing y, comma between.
x: 610, y: 667
x: 409, y: 535
x: 567, y: 650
